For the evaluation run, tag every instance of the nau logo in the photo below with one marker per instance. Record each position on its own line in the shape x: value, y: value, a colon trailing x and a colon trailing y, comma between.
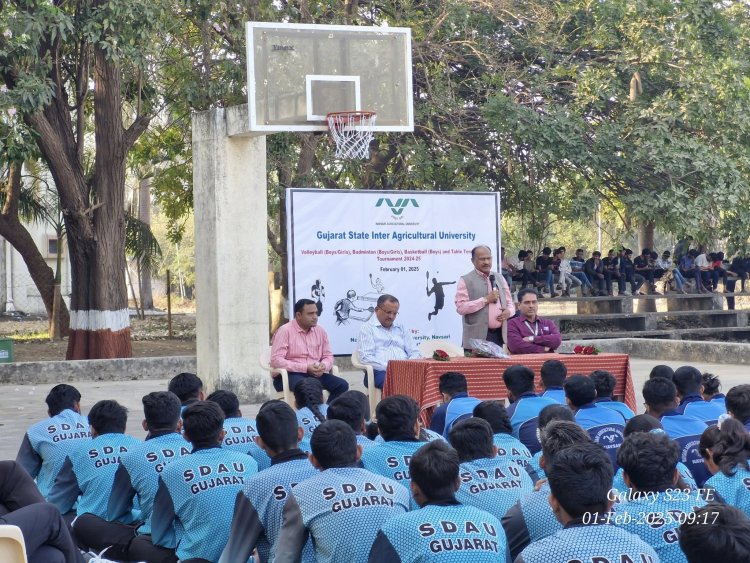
x: 400, y: 204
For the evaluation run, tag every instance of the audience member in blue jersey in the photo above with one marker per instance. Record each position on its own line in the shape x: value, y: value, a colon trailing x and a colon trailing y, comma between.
x: 348, y: 408
x: 605, y: 382
x: 726, y: 452
x: 711, y: 389
x: 342, y: 507
x: 716, y: 532
x: 580, y: 478
x: 548, y: 414
x: 88, y: 473
x: 531, y: 518
x: 457, y: 404
x: 655, y: 505
x: 258, y: 508
x: 311, y: 410
x: 689, y: 383
x: 525, y: 405
x: 661, y: 370
x: 442, y: 530
x: 47, y: 443
x: 399, y: 428
x: 738, y: 404
x: 553, y: 374
x: 188, y: 387
x: 508, y: 447
x: 488, y: 482
x: 239, y: 432
x: 195, y: 498
x: 605, y: 426
x: 660, y: 396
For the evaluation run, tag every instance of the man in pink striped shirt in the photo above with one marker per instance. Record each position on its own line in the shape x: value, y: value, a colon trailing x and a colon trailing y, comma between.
x: 301, y: 347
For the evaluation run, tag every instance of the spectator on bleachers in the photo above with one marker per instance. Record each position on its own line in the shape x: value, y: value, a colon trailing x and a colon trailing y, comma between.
x: 688, y: 269
x: 628, y: 273
x: 525, y: 406
x: 727, y: 460
x: 738, y: 404
x: 642, y: 266
x: 577, y: 265
x: 502, y: 432
x: 565, y: 274
x: 598, y: 275
x: 612, y: 267
x: 553, y: 374
x: 709, y: 277
x: 665, y: 263
x: 544, y: 270
x: 520, y: 274
x: 688, y: 381
x: 739, y: 267
x: 717, y: 532
x: 457, y: 404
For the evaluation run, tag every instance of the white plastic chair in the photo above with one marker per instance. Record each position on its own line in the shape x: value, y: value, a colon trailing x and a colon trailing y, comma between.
x: 12, y: 548
x: 373, y: 392
x: 286, y: 394
x: 428, y: 347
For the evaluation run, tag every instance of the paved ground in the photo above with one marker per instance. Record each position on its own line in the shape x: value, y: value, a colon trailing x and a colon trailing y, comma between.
x: 22, y: 405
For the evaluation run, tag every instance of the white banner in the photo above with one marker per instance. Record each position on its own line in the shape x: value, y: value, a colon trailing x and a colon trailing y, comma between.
x: 347, y: 247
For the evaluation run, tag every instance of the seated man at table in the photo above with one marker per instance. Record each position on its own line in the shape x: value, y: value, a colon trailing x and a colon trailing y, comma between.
x: 457, y: 404
x: 529, y: 333
x: 525, y: 405
x: 382, y: 339
x: 301, y: 347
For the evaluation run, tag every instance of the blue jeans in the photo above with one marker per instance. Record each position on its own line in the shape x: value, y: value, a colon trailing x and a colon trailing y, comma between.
x: 583, y: 277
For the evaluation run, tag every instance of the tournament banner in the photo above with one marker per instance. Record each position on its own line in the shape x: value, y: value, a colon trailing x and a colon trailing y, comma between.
x: 348, y: 247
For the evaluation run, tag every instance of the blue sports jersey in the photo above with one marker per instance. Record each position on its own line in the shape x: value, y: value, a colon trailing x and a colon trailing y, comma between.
x: 618, y: 406
x: 138, y: 474
x: 720, y: 399
x: 524, y: 414
x: 240, y: 437
x: 618, y: 483
x: 734, y: 489
x: 555, y: 393
x: 445, y: 533
x: 458, y: 408
x: 536, y: 466
x: 686, y: 431
x: 605, y: 426
x: 493, y: 484
x: 195, y: 500
x: 656, y: 517
x: 600, y: 542
x: 512, y: 449
x: 89, y: 471
x: 47, y: 443
x: 391, y: 459
x: 342, y: 509
x: 529, y: 520
x: 705, y: 411
x: 364, y: 441
x: 307, y: 420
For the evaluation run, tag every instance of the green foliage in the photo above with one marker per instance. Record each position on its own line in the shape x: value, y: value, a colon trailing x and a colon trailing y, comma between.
x: 141, y: 244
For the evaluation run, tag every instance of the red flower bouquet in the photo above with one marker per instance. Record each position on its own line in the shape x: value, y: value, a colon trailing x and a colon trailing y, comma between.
x: 440, y: 356
x: 586, y: 350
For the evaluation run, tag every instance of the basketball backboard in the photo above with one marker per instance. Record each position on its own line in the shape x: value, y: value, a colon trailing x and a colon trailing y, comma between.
x: 297, y: 73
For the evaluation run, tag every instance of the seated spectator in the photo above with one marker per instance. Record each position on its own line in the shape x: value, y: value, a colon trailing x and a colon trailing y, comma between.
x: 709, y: 277
x: 336, y: 507
x: 188, y: 387
x: 202, y: 484
x: 642, y: 266
x: 548, y: 414
x: 565, y: 273
x: 311, y: 410
x: 727, y: 460
x: 717, y: 532
x: 529, y: 266
x: 239, y: 432
x: 544, y: 270
x: 457, y: 404
x: 553, y: 374
x: 598, y: 275
x: 442, y: 525
x: 688, y: 381
x: 711, y: 389
x: 520, y: 273
x: 580, y: 480
x: 577, y: 267
x: 649, y: 463
x: 605, y: 382
x: 689, y: 269
x: 717, y: 264
x: 628, y: 273
x: 612, y: 268
x: 661, y: 371
x: 531, y: 519
x: 508, y: 447
x: 528, y: 333
x: 604, y: 425
x: 660, y: 396
x: 258, y: 508
x: 739, y: 268
x: 738, y: 404
x: 525, y: 405
x: 46, y: 443
x: 348, y: 408
x: 667, y: 266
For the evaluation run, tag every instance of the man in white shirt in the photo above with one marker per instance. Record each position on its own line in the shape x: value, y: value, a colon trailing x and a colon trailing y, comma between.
x: 710, y: 278
x: 382, y: 339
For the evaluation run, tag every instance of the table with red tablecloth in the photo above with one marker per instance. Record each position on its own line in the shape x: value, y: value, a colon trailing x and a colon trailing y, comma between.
x: 419, y: 378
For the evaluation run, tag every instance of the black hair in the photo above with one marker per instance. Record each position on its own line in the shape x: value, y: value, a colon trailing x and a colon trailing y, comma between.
x: 711, y: 384
x: 277, y: 425
x: 645, y: 251
x: 61, y: 397
x: 347, y: 409
x: 661, y: 371
x: 309, y: 393
x: 717, y: 532
x: 687, y: 379
x: 477, y: 247
x: 604, y: 383
x: 738, y: 402
x: 363, y: 401
x: 546, y: 250
x: 203, y: 422
x: 708, y: 441
x: 553, y: 373
x: 525, y: 291
x: 521, y: 254
x: 396, y: 416
x: 495, y: 414
x: 228, y: 402
x: 650, y: 460
x: 299, y: 306
x: 334, y: 445
x: 733, y: 448
x: 641, y: 423
x: 596, y: 253
x: 580, y: 390
x: 580, y: 478
x: 561, y: 434
x: 451, y: 383
x: 519, y: 379
x: 108, y: 417
x: 186, y: 386
x: 472, y: 439
x: 659, y: 394
x: 162, y: 410
x: 386, y: 298
x: 551, y: 413
x: 434, y: 468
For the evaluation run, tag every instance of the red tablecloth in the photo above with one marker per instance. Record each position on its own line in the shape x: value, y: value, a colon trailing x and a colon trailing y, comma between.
x: 419, y: 378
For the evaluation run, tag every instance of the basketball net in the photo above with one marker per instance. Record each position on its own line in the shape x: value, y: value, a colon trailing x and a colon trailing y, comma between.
x: 352, y: 132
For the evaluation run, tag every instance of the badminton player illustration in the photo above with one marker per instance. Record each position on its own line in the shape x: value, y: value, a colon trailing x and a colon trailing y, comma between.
x: 437, y: 289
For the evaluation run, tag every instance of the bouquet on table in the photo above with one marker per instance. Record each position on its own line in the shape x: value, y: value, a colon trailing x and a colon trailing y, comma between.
x: 440, y: 356
x: 586, y: 350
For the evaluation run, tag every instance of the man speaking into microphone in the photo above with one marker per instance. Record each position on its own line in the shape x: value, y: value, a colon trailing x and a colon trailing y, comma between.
x: 483, y: 300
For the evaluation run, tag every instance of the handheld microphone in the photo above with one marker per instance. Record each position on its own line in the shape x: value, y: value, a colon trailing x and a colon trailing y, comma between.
x: 493, y: 283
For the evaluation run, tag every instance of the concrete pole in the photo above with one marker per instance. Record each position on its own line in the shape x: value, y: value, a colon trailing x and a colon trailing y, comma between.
x: 231, y: 256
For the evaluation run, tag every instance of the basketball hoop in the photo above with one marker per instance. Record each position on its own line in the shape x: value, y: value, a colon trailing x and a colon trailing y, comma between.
x: 352, y: 132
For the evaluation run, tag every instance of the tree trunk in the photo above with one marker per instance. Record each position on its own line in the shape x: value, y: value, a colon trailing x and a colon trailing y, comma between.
x: 144, y: 214
x: 645, y: 236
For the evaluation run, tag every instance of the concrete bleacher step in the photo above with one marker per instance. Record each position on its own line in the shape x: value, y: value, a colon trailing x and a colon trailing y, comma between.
x: 676, y: 334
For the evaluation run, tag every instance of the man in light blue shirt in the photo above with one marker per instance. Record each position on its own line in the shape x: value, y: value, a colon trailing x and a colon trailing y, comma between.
x: 382, y: 339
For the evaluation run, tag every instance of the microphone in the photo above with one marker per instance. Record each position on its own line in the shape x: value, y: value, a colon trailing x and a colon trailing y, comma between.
x: 493, y: 283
